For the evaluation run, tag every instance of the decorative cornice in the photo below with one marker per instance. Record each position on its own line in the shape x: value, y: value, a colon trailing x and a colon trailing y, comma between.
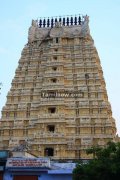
x: 64, y: 20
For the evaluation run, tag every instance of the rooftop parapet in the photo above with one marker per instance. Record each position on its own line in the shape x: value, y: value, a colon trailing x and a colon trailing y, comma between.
x: 67, y: 26
x: 65, y: 21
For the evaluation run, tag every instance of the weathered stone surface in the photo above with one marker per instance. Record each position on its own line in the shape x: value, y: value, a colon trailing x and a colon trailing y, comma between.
x: 57, y: 104
x: 36, y: 33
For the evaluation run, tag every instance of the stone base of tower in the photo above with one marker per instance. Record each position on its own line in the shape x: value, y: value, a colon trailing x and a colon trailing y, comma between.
x: 64, y: 152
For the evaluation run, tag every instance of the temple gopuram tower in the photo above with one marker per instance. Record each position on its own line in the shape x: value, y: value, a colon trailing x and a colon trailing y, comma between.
x: 57, y: 105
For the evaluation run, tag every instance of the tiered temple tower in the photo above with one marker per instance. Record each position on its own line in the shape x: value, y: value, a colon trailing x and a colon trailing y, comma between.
x: 58, y: 104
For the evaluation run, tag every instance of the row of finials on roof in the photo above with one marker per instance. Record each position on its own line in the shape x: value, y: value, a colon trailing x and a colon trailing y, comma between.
x: 64, y: 21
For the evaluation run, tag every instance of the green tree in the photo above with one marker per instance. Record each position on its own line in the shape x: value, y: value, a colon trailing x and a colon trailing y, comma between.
x: 105, y: 164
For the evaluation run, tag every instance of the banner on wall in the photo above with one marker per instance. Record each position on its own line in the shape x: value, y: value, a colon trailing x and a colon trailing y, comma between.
x: 28, y: 162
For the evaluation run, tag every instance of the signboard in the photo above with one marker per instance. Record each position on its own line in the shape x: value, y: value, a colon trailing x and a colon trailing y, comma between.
x: 28, y: 162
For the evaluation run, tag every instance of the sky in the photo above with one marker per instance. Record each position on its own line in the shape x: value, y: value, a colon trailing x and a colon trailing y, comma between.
x: 15, y: 20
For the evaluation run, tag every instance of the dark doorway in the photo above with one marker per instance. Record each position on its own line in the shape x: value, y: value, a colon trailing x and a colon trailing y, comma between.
x: 1, y: 176
x: 51, y: 110
x: 54, y: 68
x: 49, y: 152
x: 51, y: 128
x: 54, y: 80
x: 57, y: 40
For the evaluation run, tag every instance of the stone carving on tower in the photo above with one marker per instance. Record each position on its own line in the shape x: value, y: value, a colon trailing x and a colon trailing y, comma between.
x: 58, y: 104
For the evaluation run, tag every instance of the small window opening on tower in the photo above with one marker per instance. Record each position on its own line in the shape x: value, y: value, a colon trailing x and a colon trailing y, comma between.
x: 55, y: 57
x: 49, y: 152
x: 54, y: 80
x: 56, y: 49
x: 28, y: 114
x: 52, y: 110
x: 26, y: 72
x: 57, y: 40
x: 51, y: 128
x: 54, y: 68
x: 87, y: 76
x: 7, y: 114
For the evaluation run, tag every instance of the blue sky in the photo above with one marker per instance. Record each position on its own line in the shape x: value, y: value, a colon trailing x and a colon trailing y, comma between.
x: 15, y: 19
